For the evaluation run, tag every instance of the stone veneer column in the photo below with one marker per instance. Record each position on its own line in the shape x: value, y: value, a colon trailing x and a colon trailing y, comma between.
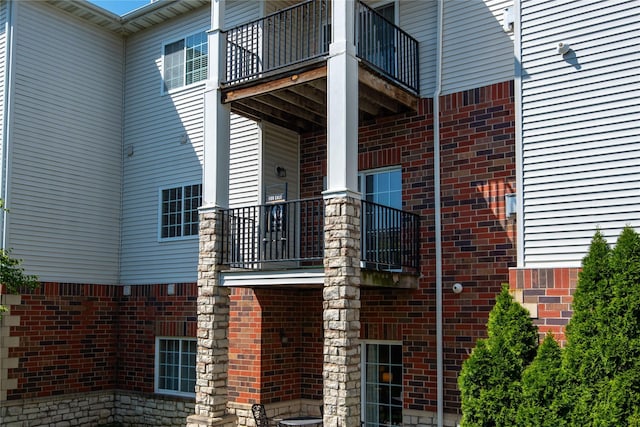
x: 341, y: 316
x: 212, y: 359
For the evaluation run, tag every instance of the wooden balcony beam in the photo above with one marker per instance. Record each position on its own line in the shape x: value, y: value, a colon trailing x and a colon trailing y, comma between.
x: 273, y: 85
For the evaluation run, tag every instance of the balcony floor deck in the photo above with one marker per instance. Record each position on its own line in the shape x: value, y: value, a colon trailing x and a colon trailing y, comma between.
x: 296, y: 98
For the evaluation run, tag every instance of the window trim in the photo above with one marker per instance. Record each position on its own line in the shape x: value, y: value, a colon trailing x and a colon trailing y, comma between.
x: 160, y: 202
x: 156, y: 374
x: 165, y: 43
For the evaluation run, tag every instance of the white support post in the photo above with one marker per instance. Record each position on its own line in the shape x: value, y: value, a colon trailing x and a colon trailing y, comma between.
x: 342, y: 103
x: 215, y: 183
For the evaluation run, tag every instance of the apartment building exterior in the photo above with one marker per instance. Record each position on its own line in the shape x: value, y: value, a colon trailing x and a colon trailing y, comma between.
x: 284, y: 224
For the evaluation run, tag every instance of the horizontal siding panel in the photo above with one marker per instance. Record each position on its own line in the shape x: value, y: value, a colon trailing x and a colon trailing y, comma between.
x: 244, y: 178
x: 156, y: 125
x: 419, y: 19
x: 476, y: 50
x: 580, y: 126
x: 66, y: 160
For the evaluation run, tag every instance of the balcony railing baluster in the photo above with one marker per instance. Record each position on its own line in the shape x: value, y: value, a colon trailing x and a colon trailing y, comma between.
x: 291, y: 235
x: 302, y: 33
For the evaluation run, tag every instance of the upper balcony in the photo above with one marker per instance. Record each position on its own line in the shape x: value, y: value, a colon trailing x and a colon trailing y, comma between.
x: 276, y: 66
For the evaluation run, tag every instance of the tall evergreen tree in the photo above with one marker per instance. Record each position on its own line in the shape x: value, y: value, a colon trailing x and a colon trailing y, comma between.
x: 602, y: 357
x: 490, y: 378
x: 541, y: 385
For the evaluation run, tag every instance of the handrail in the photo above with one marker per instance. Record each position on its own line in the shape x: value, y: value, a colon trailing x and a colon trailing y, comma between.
x: 281, y: 39
x: 389, y: 238
x: 302, y: 33
x: 291, y: 235
x: 280, y: 235
x: 387, y: 48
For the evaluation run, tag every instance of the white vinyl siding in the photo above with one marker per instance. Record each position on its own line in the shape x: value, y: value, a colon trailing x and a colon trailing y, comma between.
x: 244, y: 162
x: 477, y: 52
x: 164, y: 133
x: 280, y: 148
x: 66, y: 147
x: 418, y: 19
x: 3, y: 81
x: 580, y: 127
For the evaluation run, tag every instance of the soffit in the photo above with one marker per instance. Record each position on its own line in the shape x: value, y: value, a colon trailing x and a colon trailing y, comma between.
x: 147, y: 16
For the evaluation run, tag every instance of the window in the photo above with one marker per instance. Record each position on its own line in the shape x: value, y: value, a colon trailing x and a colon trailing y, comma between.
x: 382, y: 187
x: 185, y: 61
x: 179, y: 211
x: 176, y: 365
x: 382, y: 384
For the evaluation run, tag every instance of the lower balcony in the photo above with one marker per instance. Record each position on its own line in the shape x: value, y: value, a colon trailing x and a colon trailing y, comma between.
x: 274, y: 240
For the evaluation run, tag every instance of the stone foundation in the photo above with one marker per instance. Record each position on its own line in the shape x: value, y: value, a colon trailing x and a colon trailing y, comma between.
x: 88, y: 409
x: 96, y: 409
x: 143, y: 410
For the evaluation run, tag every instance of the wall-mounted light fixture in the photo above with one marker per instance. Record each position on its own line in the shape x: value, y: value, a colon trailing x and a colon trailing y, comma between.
x: 563, y: 48
x: 508, y: 20
x: 281, y: 172
x: 129, y: 150
x: 171, y: 289
x: 283, y: 338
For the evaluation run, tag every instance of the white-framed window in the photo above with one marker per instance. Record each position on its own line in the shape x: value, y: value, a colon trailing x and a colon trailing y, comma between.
x: 382, y: 186
x: 185, y: 61
x: 175, y: 366
x: 179, y: 211
x: 381, y: 383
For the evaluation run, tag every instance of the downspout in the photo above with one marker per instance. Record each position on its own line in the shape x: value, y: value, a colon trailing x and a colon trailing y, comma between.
x: 7, y: 117
x: 438, y: 218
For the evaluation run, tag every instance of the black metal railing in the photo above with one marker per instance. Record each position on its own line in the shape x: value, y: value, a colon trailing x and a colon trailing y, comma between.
x: 272, y: 235
x: 302, y: 33
x: 291, y: 235
x: 282, y: 39
x: 389, y: 238
x: 386, y: 47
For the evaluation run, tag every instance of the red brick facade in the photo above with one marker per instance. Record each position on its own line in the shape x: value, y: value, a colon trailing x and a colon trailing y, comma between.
x: 478, y: 168
x: 77, y: 338
x: 98, y: 338
x: 550, y: 291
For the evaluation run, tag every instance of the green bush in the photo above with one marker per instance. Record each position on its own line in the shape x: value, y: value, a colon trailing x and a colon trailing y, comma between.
x: 12, y: 275
x: 594, y: 381
x: 490, y: 378
x: 541, y: 383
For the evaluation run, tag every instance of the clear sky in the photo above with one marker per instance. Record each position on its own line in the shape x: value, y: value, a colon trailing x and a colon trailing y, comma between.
x: 120, y: 7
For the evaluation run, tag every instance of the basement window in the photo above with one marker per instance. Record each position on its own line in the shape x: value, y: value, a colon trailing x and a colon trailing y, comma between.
x: 176, y: 366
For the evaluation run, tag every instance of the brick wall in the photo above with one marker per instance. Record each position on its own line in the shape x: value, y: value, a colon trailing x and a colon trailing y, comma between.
x: 149, y: 312
x: 275, y: 345
x: 547, y: 293
x: 477, y: 170
x: 67, y: 340
x: 76, y: 338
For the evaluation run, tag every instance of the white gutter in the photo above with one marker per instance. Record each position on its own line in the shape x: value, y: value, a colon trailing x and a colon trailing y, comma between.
x: 438, y: 219
x: 7, y: 117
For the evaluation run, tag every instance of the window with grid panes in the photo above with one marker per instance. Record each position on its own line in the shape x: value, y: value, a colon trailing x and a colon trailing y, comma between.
x: 382, y: 384
x: 179, y: 211
x: 176, y: 365
x: 185, y: 61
